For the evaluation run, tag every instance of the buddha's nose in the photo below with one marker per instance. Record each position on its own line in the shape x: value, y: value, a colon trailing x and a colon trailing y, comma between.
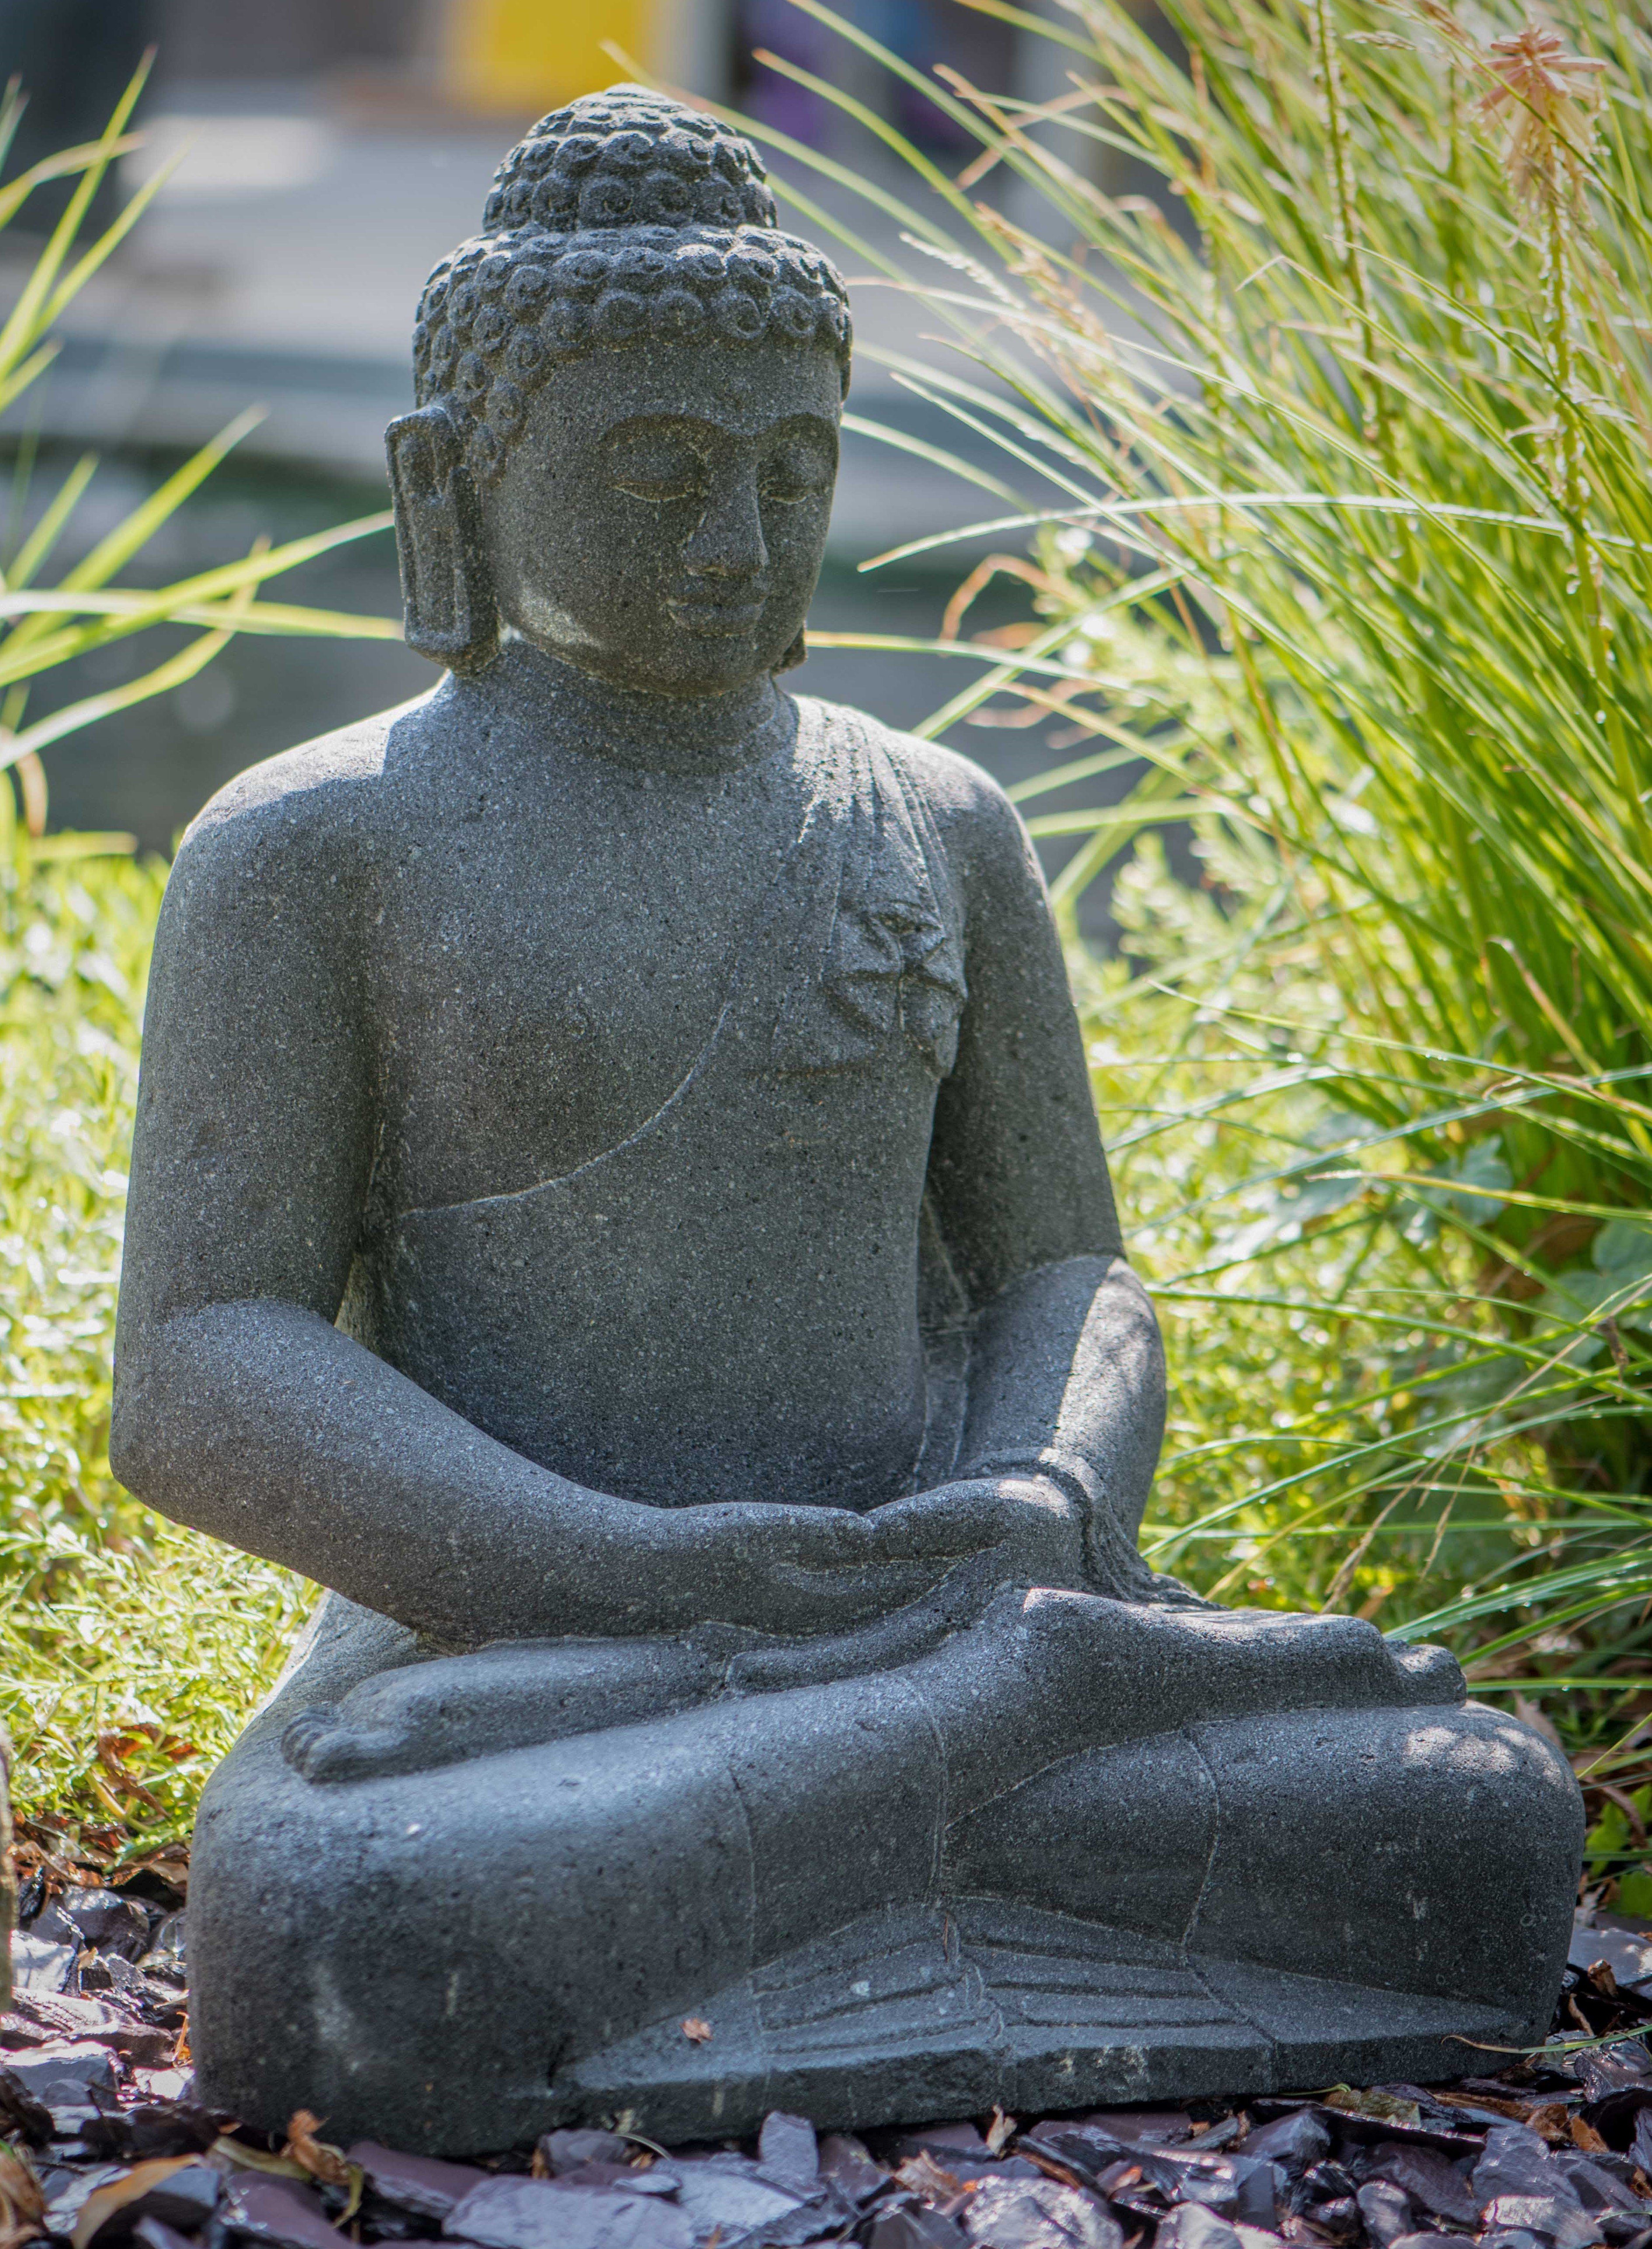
x: 729, y: 542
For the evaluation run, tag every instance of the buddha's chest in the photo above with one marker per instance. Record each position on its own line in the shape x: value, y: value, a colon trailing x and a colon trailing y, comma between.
x: 540, y: 986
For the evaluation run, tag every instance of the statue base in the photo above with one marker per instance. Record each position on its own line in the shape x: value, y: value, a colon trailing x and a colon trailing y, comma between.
x: 927, y: 2012
x: 456, y: 1960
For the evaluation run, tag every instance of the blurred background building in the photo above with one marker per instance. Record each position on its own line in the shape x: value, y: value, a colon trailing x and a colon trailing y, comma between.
x: 321, y: 154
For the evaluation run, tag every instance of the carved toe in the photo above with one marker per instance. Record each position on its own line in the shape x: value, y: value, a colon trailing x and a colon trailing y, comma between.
x: 1434, y: 1674
x: 322, y: 1745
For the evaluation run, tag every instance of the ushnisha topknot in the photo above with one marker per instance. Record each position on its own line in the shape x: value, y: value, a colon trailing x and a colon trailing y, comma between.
x: 622, y: 217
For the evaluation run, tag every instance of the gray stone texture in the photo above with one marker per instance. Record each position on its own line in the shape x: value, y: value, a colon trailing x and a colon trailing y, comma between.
x: 616, y: 1199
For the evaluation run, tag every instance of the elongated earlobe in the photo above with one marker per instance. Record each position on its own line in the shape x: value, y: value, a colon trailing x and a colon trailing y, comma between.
x: 446, y: 598
x: 796, y: 654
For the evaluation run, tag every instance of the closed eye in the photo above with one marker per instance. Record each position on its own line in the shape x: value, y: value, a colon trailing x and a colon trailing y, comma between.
x: 653, y: 464
x: 682, y: 483
x: 801, y: 468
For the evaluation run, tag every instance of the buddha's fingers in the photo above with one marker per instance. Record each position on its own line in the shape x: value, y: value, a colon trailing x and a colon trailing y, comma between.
x: 1027, y: 1522
x: 882, y: 1645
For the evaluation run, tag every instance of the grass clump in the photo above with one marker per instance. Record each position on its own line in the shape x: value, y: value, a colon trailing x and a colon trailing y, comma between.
x: 42, y: 627
x: 131, y: 1650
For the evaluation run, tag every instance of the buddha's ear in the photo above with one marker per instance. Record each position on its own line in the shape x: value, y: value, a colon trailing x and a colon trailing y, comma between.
x: 446, y: 597
x: 796, y: 654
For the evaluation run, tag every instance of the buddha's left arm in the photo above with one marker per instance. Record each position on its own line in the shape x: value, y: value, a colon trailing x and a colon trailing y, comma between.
x: 1067, y: 1369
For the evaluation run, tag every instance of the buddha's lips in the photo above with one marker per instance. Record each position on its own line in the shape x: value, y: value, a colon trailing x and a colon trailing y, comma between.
x: 715, y: 614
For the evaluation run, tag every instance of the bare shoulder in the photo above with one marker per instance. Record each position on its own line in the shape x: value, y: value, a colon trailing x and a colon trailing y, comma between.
x: 337, y: 785
x: 305, y: 823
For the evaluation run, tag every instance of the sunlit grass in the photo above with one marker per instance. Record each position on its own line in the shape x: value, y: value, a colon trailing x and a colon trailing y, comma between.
x: 130, y: 1651
x: 42, y: 627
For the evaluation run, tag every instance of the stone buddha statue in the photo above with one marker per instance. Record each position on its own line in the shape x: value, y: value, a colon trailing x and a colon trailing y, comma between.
x: 618, y: 1201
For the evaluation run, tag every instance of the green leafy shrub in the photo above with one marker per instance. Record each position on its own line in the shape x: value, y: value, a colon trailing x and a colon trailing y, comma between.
x: 42, y: 628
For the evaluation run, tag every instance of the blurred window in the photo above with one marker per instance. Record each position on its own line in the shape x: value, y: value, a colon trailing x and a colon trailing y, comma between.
x: 920, y: 32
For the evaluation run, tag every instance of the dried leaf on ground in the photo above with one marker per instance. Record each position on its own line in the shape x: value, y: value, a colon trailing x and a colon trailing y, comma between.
x: 1370, y: 2102
x: 316, y: 2156
x: 926, y: 2177
x: 101, y: 2204
x: 21, y: 2201
x: 1000, y: 2132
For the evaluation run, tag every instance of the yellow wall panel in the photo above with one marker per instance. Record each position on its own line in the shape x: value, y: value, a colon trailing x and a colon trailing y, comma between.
x: 510, y: 55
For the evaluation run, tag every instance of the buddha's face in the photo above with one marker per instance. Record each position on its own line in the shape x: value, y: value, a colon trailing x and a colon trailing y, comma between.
x: 661, y: 518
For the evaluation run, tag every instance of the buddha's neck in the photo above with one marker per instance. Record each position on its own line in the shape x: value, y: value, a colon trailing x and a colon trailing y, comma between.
x: 654, y: 734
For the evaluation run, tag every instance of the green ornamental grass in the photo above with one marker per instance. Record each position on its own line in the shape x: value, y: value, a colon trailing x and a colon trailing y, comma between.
x: 131, y: 1650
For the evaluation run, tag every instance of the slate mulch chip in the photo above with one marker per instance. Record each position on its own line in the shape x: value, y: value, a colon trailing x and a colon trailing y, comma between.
x: 103, y: 2144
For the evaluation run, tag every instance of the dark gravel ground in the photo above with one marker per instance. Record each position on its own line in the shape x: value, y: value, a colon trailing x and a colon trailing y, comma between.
x: 105, y: 2143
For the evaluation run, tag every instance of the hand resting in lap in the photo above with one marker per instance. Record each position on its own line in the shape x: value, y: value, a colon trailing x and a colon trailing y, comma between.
x: 1122, y: 1667
x: 789, y: 1580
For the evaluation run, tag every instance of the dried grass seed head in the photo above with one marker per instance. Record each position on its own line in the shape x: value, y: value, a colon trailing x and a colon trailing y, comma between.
x: 1547, y: 101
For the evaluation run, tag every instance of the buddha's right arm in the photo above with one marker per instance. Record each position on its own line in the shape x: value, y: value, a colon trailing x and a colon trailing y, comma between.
x: 242, y: 1410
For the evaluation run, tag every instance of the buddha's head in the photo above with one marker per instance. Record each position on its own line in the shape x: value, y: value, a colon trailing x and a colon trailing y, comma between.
x: 628, y: 389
